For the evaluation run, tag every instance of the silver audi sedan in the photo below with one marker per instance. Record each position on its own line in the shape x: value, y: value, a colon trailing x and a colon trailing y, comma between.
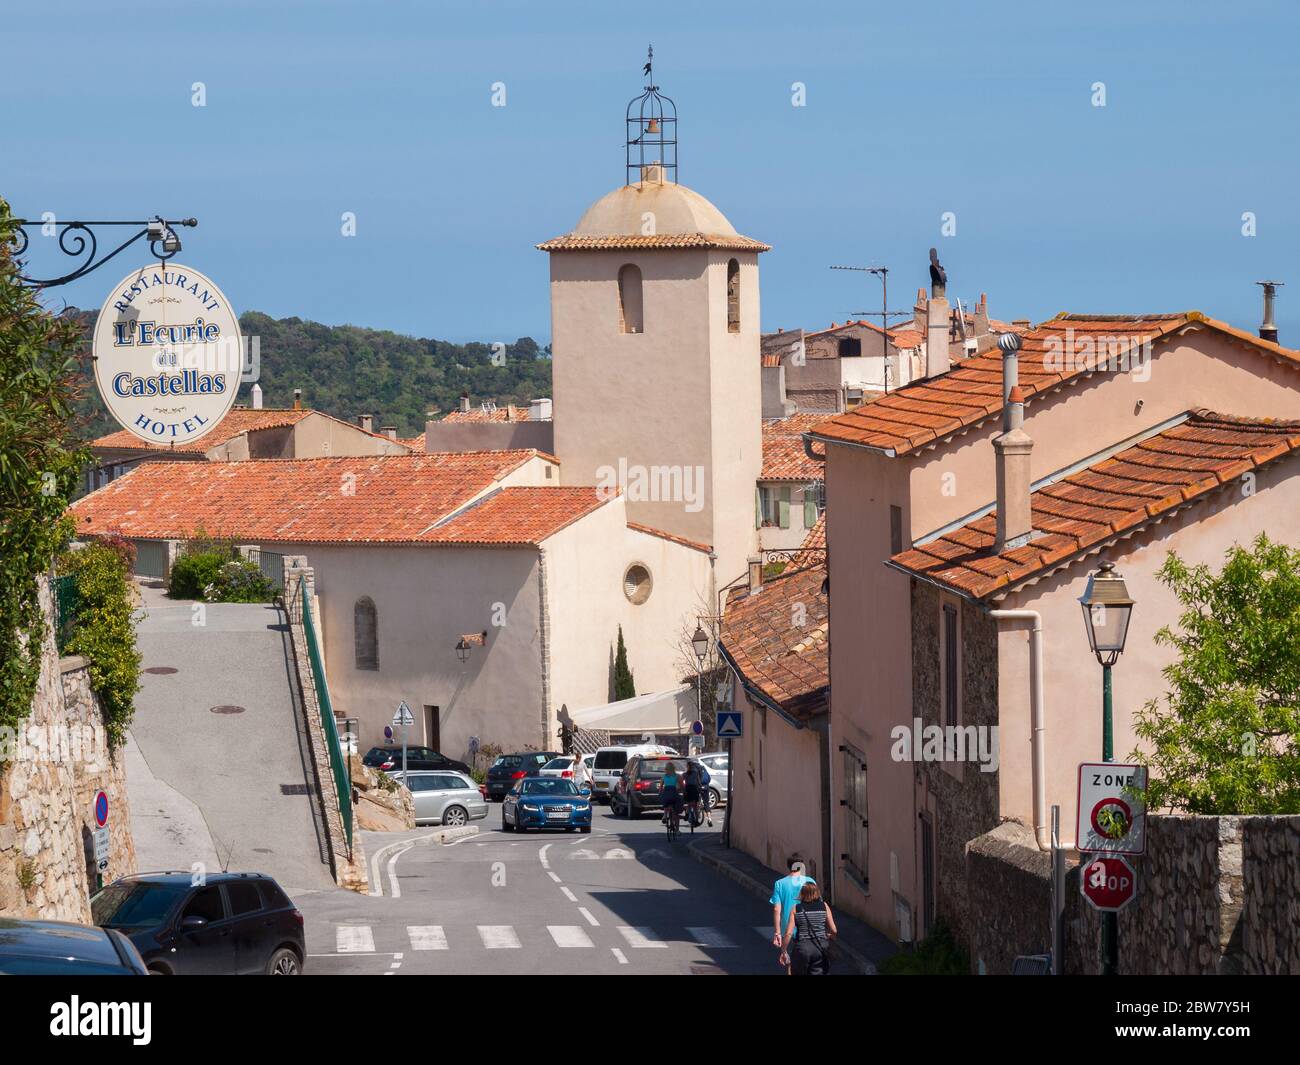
x: 443, y: 797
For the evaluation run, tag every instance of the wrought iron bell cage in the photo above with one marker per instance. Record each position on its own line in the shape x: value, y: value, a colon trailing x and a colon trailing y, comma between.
x: 651, y: 135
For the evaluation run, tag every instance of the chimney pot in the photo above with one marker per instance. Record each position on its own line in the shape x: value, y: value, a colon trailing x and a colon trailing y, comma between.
x: 937, y: 358
x: 464, y: 402
x: 1011, y: 456
x: 257, y: 397
x: 297, y: 399
x: 366, y: 421
x: 390, y: 431
x: 1268, y: 328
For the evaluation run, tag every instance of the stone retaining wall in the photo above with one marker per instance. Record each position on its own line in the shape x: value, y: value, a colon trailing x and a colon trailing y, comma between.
x: 1216, y: 895
x: 52, y: 770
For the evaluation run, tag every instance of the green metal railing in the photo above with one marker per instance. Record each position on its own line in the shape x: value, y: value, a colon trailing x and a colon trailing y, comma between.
x: 337, y: 764
x: 66, y: 603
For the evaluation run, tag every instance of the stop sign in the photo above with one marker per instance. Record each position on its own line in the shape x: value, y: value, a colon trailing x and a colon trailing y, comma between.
x: 1108, y: 882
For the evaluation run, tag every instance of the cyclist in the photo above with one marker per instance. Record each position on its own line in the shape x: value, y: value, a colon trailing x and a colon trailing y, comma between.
x: 693, y: 784
x: 670, y: 795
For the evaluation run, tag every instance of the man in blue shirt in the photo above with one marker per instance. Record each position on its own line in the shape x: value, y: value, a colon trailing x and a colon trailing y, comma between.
x: 785, y: 893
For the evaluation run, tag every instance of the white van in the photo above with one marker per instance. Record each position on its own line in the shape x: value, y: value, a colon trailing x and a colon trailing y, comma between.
x: 609, y: 763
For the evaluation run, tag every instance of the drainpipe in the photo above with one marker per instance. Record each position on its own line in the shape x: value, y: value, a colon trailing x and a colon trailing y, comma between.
x: 1038, y: 741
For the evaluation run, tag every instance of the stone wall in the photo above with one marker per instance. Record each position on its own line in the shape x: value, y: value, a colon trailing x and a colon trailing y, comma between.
x: 1215, y: 895
x: 963, y: 799
x: 51, y: 773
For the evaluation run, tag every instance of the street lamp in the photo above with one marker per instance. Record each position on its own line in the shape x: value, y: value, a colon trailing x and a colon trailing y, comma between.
x: 462, y: 650
x: 700, y: 644
x: 1107, y: 610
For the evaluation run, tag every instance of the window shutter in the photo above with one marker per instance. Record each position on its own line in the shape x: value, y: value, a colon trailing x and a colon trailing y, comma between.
x: 758, y: 508
x: 809, y: 509
x: 784, y: 506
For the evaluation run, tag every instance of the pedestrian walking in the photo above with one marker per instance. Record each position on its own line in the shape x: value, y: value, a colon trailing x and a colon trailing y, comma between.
x: 581, y: 774
x: 785, y: 893
x: 808, y: 934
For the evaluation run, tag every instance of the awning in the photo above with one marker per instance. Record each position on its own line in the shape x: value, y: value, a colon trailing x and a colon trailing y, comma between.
x: 662, y: 712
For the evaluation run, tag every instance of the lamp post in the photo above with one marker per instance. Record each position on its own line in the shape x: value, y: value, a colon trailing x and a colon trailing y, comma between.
x: 700, y: 644
x: 1107, y: 610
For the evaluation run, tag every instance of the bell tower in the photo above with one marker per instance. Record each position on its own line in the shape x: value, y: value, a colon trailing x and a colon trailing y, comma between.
x: 655, y: 341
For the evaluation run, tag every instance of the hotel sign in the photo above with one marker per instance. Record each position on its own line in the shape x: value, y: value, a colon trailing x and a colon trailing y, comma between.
x: 168, y: 354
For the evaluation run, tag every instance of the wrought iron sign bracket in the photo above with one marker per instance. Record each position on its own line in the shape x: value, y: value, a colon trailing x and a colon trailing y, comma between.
x: 79, y: 241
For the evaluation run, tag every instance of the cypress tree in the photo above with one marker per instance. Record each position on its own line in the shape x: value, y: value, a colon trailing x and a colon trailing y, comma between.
x: 624, y: 685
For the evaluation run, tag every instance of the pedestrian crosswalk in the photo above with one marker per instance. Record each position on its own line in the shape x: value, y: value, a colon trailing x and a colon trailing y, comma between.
x: 362, y: 938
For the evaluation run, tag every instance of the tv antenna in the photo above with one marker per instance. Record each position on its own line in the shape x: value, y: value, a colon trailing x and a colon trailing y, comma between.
x: 884, y: 314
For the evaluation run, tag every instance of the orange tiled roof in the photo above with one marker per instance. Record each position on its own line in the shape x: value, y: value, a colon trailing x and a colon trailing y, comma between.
x: 650, y: 530
x: 816, y: 538
x: 632, y: 242
x: 777, y: 660
x: 926, y: 412
x: 1114, y: 497
x: 415, y: 443
x: 784, y: 458
x: 508, y: 413
x: 239, y: 420
x: 362, y: 499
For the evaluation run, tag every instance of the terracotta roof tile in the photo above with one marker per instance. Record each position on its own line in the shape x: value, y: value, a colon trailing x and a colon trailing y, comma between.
x: 632, y: 242
x: 650, y: 530
x: 784, y: 458
x: 929, y: 410
x: 785, y: 663
x: 507, y: 413
x: 366, y: 499
x: 1117, y: 494
x: 239, y: 420
x: 816, y: 538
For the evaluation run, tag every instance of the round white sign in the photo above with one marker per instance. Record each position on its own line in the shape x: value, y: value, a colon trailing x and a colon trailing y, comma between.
x: 168, y: 354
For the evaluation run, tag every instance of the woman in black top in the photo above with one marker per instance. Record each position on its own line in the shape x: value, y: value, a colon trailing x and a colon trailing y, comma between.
x: 808, y: 934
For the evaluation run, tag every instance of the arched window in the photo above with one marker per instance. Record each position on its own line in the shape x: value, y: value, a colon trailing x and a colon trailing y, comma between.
x: 733, y: 296
x: 365, y: 633
x: 629, y: 300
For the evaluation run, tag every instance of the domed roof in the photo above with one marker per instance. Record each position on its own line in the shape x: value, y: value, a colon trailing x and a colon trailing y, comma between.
x: 682, y: 219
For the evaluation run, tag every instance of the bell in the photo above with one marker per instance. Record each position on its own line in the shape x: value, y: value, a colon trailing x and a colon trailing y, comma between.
x: 653, y: 127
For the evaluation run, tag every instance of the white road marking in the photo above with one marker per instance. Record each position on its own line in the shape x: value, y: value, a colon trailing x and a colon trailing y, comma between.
x: 541, y: 856
x: 640, y: 936
x: 622, y: 958
x: 498, y: 936
x: 710, y: 937
x: 586, y: 855
x: 587, y: 914
x: 619, y: 852
x: 394, y: 889
x: 552, y: 876
x: 569, y: 936
x: 569, y: 894
x: 354, y: 939
x: 427, y: 936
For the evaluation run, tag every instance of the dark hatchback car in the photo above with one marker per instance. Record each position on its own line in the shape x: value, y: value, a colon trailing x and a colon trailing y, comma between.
x: 230, y: 923
x: 61, y: 948
x: 508, y: 768
x: 638, y: 790
x: 389, y: 759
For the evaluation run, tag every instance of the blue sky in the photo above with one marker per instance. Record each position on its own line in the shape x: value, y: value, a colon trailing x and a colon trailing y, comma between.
x: 383, y: 108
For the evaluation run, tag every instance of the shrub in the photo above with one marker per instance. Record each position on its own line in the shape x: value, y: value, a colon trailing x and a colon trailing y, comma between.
x: 125, y: 548
x: 193, y: 573
x: 239, y: 581
x: 938, y: 954
x: 103, y: 631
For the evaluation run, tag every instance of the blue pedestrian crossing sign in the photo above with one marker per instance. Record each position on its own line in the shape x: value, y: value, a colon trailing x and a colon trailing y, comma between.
x: 730, y: 725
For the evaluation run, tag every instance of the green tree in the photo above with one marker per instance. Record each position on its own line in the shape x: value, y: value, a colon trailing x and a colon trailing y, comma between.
x: 39, y: 467
x: 624, y: 685
x: 1228, y: 741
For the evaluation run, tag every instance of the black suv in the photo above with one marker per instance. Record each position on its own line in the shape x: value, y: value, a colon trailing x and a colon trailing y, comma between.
x: 508, y: 768
x: 638, y: 790
x: 227, y: 923
x: 389, y: 759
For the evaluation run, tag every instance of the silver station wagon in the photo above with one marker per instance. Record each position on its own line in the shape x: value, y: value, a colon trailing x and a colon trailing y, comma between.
x: 444, y: 798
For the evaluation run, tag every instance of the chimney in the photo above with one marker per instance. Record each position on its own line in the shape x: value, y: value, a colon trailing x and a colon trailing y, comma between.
x: 539, y: 410
x: 1268, y: 328
x: 1011, y: 452
x: 755, y: 573
x: 464, y: 403
x: 937, y: 360
x: 297, y: 399
x: 257, y: 397
x: 390, y: 431
x: 366, y: 422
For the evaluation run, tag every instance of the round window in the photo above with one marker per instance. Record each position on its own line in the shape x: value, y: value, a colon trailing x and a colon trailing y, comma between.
x: 637, y: 583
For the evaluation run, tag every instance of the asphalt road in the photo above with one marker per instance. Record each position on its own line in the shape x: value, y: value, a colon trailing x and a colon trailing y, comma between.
x: 231, y: 784
x: 621, y: 900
